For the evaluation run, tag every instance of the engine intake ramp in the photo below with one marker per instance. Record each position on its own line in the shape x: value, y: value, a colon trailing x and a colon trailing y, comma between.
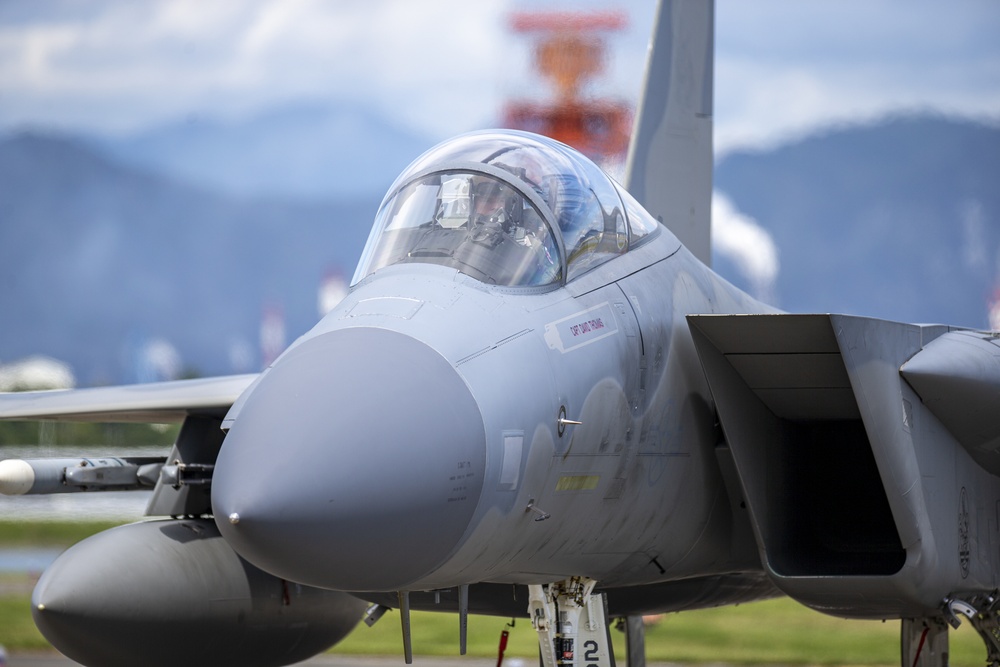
x: 853, y: 486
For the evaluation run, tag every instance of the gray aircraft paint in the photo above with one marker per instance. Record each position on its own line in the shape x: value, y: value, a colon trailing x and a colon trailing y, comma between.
x: 645, y: 425
x: 642, y: 444
x: 218, y: 608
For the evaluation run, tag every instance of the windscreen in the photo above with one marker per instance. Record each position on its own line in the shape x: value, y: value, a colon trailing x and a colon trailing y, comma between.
x: 505, y: 207
x: 472, y: 222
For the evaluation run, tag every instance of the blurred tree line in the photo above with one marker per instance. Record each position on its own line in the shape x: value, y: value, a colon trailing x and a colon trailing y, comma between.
x: 108, y: 436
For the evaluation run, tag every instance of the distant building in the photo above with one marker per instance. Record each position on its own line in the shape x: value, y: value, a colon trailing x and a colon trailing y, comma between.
x: 332, y: 291
x: 272, y: 333
x: 34, y: 373
x: 993, y: 311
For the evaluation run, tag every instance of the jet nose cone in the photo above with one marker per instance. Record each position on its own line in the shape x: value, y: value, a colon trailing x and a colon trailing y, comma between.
x: 356, y: 463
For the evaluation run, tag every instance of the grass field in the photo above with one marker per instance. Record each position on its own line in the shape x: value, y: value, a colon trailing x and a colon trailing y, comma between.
x: 774, y: 632
x: 48, y: 533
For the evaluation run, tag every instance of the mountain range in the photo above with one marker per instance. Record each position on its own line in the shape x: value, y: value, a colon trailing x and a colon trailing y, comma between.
x: 187, y: 234
x: 898, y: 219
x: 301, y: 151
x: 98, y: 259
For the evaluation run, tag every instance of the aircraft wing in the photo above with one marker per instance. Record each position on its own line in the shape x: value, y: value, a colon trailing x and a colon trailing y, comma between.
x: 846, y: 435
x: 159, y: 402
x: 809, y: 368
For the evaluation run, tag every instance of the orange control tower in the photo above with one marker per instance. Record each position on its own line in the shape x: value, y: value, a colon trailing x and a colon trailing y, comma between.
x: 569, y: 50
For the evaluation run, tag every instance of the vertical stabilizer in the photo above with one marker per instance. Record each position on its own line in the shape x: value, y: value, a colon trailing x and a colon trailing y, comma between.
x: 669, y: 168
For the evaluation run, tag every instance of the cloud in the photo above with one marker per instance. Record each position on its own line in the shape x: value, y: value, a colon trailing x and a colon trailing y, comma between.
x: 783, y: 69
x: 132, y: 65
x: 786, y: 69
x: 749, y: 246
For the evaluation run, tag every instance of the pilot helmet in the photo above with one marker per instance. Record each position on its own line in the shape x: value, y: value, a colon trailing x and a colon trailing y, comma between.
x: 496, y: 202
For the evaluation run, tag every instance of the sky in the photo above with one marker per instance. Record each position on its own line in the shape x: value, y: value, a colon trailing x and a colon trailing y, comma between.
x: 783, y: 68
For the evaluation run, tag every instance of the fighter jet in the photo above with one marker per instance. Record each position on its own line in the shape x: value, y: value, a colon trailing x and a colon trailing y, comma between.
x: 538, y: 400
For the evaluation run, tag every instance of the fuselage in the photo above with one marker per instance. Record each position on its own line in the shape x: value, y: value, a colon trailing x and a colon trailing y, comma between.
x: 509, y: 394
x: 502, y: 490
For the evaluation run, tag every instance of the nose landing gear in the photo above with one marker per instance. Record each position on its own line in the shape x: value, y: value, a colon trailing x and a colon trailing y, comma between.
x: 571, y: 622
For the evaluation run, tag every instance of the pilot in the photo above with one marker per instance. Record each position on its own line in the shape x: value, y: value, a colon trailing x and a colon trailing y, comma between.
x: 505, y: 208
x: 478, y: 200
x: 496, y: 212
x: 495, y: 202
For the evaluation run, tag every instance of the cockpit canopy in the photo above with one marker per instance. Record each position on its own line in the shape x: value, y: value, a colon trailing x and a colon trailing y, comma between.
x: 506, y: 208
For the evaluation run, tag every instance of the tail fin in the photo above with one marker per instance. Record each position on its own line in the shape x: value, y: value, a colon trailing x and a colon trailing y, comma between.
x: 669, y: 168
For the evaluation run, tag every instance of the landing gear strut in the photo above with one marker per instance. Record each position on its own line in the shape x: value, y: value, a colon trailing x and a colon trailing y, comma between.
x: 924, y: 642
x: 571, y: 622
x: 635, y: 641
x: 982, y: 610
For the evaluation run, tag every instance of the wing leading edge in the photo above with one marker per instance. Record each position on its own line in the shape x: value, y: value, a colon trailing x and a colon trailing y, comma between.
x: 159, y: 402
